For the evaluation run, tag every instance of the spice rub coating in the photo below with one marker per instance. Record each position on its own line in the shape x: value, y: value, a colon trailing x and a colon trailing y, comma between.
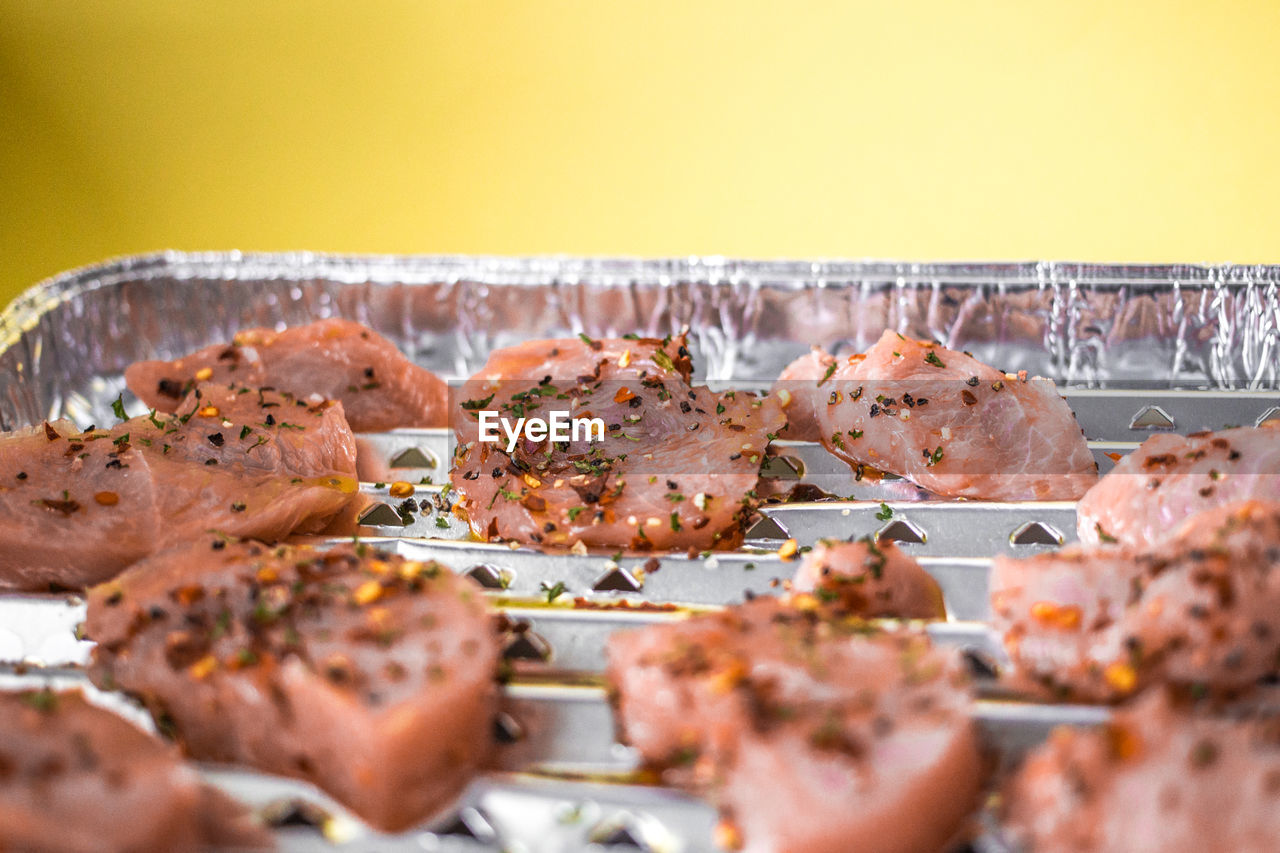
x: 78, y: 507
x: 1158, y: 778
x: 77, y: 778
x: 1201, y: 609
x: 943, y: 420
x: 370, y: 675
x: 1170, y: 478
x: 869, y: 579
x: 333, y: 359
x: 677, y: 468
x: 806, y: 729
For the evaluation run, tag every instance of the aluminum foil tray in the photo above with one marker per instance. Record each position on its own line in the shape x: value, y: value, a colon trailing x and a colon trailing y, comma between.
x: 1135, y: 349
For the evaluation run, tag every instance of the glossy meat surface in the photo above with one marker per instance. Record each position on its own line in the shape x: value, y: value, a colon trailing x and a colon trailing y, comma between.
x: 1202, y: 609
x: 75, y: 777
x: 1170, y: 478
x: 810, y: 732
x: 1157, y: 779
x: 869, y: 579
x: 372, y: 676
x: 677, y: 467
x: 943, y: 420
x: 77, y: 508
x: 335, y: 359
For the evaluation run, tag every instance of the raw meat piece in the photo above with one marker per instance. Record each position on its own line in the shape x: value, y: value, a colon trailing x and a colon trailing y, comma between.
x: 943, y: 420
x: 869, y: 579
x: 75, y: 777
x: 335, y: 359
x: 676, y: 469
x: 77, y: 508
x: 1170, y: 478
x: 372, y: 676
x: 810, y: 732
x: 1156, y: 779
x: 1201, y: 609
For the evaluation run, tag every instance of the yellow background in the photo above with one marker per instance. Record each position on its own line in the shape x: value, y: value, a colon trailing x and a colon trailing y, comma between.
x: 1092, y: 130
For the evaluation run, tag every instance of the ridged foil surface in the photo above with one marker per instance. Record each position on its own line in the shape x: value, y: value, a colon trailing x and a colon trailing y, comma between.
x: 65, y: 342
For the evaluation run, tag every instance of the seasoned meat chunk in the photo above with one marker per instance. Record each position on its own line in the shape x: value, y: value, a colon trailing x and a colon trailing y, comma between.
x: 1201, y: 609
x: 1170, y: 478
x: 75, y: 777
x: 674, y: 466
x: 78, y: 507
x: 807, y: 730
x: 332, y: 359
x: 869, y: 579
x: 943, y: 420
x: 1158, y: 778
x: 372, y: 676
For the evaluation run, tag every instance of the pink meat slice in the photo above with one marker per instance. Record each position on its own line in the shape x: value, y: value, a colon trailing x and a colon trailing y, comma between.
x: 1170, y: 477
x: 77, y: 508
x: 869, y: 579
x: 811, y: 733
x: 333, y: 359
x: 1201, y: 609
x: 372, y: 676
x: 1158, y: 778
x: 945, y: 421
x: 677, y: 468
x: 800, y: 384
x: 79, y: 779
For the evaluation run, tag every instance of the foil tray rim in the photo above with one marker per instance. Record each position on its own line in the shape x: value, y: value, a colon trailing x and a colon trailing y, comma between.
x: 604, y: 271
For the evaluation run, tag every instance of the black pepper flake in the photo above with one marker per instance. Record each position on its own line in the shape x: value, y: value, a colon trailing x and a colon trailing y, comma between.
x: 216, y: 439
x: 211, y: 461
x: 22, y: 475
x: 972, y: 382
x: 237, y: 507
x: 169, y: 388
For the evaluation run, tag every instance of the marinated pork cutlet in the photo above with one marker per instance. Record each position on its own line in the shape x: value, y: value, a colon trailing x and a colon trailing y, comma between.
x: 1157, y: 778
x: 677, y: 467
x: 76, y: 777
x: 811, y: 733
x: 371, y: 676
x: 1201, y: 609
x: 77, y: 508
x: 945, y: 421
x: 869, y: 579
x: 335, y: 359
x: 1170, y: 478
